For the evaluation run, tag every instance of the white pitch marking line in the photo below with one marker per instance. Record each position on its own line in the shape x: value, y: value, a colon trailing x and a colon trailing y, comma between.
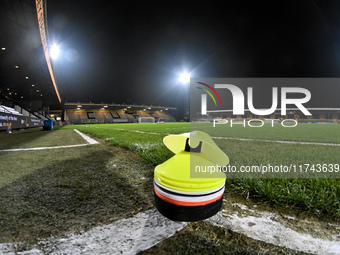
x: 87, y: 138
x: 126, y: 236
x: 247, y: 139
x: 138, y: 131
x: 44, y: 148
x: 265, y: 229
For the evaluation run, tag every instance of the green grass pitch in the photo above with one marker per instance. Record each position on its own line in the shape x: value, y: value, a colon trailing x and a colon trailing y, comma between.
x: 57, y: 191
x: 321, y: 195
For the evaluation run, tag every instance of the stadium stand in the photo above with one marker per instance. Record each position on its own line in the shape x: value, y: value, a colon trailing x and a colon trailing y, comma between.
x: 162, y: 116
x: 14, y: 116
x: 76, y: 113
x: 10, y: 110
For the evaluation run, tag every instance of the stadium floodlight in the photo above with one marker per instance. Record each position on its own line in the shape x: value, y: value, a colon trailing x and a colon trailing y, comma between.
x: 184, y: 77
x: 54, y: 52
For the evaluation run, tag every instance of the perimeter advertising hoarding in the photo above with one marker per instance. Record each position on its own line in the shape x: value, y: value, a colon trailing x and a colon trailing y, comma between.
x: 257, y: 122
x: 17, y: 122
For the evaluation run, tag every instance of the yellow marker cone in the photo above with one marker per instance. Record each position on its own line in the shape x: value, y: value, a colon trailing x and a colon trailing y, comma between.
x: 180, y: 197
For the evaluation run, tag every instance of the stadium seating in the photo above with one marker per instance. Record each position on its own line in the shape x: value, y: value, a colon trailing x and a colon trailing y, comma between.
x: 8, y: 109
x: 163, y: 116
x: 82, y: 116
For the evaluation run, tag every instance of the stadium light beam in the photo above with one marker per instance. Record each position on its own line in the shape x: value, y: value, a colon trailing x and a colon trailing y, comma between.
x: 184, y: 77
x: 54, y: 52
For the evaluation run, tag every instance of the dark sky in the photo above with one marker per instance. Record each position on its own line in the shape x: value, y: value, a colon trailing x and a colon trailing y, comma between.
x: 133, y: 51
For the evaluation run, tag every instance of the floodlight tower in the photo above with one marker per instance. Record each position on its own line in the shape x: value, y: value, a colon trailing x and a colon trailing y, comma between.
x: 54, y: 51
x: 184, y: 77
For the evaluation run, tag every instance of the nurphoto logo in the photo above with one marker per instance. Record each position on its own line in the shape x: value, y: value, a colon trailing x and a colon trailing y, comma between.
x: 238, y: 99
x: 270, y: 97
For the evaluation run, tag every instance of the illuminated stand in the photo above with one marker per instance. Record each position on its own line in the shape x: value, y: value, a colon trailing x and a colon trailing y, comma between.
x: 180, y: 197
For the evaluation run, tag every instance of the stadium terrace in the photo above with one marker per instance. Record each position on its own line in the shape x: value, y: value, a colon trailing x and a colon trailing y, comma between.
x: 90, y: 113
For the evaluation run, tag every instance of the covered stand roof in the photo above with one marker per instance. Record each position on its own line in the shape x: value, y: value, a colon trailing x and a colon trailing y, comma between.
x: 24, y: 74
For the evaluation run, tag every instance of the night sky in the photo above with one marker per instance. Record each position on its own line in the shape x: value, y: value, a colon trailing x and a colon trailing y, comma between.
x: 134, y: 51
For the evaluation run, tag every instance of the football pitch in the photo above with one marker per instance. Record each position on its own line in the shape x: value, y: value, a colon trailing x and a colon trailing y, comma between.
x: 247, y: 146
x: 51, y: 192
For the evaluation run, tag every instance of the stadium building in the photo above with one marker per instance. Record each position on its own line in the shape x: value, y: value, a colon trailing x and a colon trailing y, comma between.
x: 29, y: 92
x: 87, y: 113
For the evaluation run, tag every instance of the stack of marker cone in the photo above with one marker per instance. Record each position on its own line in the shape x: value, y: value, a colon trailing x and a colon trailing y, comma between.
x: 180, y: 197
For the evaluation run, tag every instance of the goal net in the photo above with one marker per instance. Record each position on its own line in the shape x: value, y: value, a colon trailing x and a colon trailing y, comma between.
x: 146, y: 120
